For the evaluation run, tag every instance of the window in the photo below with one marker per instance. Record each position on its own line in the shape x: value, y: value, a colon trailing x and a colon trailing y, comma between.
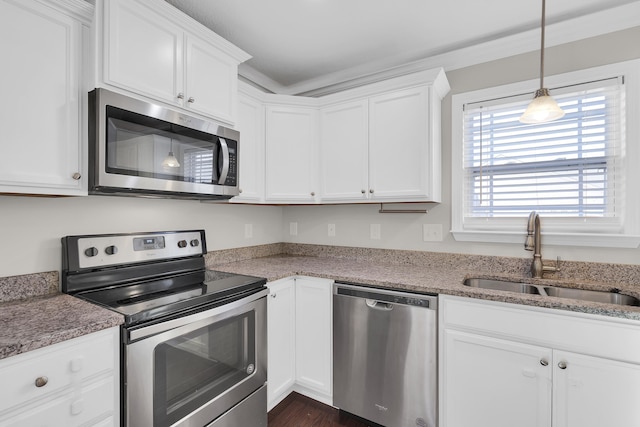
x: 574, y: 172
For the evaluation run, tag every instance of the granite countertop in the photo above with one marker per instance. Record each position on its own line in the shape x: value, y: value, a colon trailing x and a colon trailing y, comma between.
x: 34, y: 314
x: 443, y: 277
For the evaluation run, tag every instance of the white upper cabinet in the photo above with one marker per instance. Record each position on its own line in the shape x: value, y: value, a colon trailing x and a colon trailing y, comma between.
x: 344, y: 151
x: 251, y: 169
x: 381, y: 142
x: 372, y: 144
x: 143, y: 51
x: 42, y: 138
x: 152, y: 49
x: 291, y: 153
x: 404, y: 161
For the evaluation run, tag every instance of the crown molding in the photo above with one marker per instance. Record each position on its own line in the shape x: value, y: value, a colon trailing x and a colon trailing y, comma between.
x: 591, y: 25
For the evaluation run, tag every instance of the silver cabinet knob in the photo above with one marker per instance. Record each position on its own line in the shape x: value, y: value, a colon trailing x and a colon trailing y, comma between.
x: 41, y: 381
x: 180, y: 95
x: 239, y: 190
x: 76, y: 176
x: 273, y: 295
x: 191, y: 100
x: 313, y: 193
x: 371, y: 191
x: 363, y: 191
x: 562, y: 364
x: 544, y: 362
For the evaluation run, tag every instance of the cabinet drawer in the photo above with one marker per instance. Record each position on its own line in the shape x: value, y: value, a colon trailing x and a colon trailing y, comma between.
x: 62, y: 364
x: 93, y: 406
x: 602, y: 336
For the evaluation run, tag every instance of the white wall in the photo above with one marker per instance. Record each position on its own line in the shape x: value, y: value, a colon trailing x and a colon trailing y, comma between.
x: 404, y: 231
x: 31, y: 227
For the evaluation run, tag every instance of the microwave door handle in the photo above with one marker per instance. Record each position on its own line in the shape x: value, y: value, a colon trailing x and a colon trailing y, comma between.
x: 224, y: 149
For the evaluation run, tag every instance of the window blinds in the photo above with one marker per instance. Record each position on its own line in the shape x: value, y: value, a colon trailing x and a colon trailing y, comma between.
x: 571, y: 167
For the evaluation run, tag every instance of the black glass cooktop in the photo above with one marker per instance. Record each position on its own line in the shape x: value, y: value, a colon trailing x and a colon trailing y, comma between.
x: 153, y: 299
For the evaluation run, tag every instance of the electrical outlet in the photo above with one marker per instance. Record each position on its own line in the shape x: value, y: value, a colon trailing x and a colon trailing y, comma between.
x: 293, y: 228
x: 331, y: 230
x: 248, y: 231
x: 432, y: 232
x: 375, y: 231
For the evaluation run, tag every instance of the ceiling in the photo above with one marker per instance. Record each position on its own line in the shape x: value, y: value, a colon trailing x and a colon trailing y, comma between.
x: 299, y: 46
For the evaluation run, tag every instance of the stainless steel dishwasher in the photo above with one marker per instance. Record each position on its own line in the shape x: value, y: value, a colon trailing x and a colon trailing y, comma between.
x: 385, y: 355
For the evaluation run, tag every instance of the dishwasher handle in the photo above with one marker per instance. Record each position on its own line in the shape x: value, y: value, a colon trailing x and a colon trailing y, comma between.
x: 379, y: 305
x: 385, y: 299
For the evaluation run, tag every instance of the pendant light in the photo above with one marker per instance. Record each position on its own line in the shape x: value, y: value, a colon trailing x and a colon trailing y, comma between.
x: 543, y: 108
x: 170, y: 161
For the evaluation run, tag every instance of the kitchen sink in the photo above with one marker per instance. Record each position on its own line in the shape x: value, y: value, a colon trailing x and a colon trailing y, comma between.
x: 589, y: 295
x: 502, y: 285
x: 608, y: 297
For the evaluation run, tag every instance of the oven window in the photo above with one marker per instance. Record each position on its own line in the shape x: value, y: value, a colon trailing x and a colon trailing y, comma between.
x: 194, y: 368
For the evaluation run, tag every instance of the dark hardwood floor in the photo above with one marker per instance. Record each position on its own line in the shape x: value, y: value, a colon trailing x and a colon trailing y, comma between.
x: 297, y: 410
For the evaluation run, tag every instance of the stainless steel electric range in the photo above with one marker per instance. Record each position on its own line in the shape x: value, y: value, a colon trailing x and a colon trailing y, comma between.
x: 194, y: 340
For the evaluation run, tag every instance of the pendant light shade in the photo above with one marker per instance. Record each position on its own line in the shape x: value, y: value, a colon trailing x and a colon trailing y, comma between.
x: 543, y: 108
x: 170, y: 161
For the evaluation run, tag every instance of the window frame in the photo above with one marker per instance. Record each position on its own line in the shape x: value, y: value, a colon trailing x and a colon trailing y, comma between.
x: 624, y: 233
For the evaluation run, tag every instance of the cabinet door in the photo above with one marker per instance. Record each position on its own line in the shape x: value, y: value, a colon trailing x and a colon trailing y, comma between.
x: 314, y: 346
x: 399, y: 149
x: 344, y: 141
x: 251, y: 158
x: 41, y: 108
x: 595, y: 392
x: 143, y: 51
x: 212, y: 81
x: 492, y: 382
x: 281, y: 320
x: 291, y: 134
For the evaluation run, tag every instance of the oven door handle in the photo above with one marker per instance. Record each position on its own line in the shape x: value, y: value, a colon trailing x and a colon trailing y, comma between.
x: 158, y: 328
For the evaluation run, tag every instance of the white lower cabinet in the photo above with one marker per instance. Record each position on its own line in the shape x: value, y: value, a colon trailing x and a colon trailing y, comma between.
x: 314, y: 343
x: 299, y: 339
x: 73, y: 383
x: 281, y: 330
x: 503, y: 365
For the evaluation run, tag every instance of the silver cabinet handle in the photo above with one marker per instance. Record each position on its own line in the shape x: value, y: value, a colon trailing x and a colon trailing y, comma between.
x: 562, y: 365
x: 76, y: 176
x: 191, y: 100
x: 363, y: 191
x: 180, y: 95
x: 371, y: 191
x: 544, y: 362
x: 313, y: 193
x: 41, y: 381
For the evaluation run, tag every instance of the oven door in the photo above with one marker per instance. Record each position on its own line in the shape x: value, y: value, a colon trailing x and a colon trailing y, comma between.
x: 191, y: 370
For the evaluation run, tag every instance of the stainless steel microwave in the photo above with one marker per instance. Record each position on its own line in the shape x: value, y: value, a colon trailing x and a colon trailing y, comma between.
x: 139, y: 148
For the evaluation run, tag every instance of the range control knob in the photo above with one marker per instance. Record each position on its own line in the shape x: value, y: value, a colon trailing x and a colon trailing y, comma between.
x: 182, y: 244
x: 194, y: 242
x: 92, y: 251
x: 111, y: 250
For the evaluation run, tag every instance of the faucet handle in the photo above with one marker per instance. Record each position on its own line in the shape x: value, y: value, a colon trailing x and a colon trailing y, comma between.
x: 552, y: 269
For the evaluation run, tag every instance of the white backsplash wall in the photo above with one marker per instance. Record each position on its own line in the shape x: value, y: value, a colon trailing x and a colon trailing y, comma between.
x: 31, y: 227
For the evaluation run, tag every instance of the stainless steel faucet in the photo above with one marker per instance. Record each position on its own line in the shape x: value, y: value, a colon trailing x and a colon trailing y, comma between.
x: 532, y: 243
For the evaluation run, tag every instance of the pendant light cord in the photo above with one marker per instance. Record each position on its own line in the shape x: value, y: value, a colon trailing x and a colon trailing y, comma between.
x: 542, y: 47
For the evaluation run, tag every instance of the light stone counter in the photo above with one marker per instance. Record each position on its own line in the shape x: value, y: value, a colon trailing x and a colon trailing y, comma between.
x: 34, y: 314
x: 436, y: 273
